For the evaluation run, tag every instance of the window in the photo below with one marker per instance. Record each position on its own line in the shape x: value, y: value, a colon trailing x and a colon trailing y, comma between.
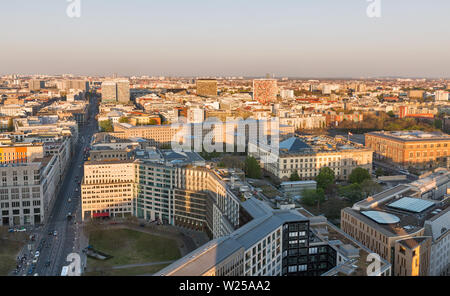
x: 313, y: 251
x: 302, y: 267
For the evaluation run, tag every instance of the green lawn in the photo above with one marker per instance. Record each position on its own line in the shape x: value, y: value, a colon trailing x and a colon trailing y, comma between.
x: 8, y: 253
x: 131, y: 247
x: 134, y: 271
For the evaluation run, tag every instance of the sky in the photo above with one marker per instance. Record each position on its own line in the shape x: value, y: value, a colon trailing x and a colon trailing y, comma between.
x: 294, y: 38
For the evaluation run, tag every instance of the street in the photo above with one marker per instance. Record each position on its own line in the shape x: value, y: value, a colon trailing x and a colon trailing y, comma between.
x: 55, y: 247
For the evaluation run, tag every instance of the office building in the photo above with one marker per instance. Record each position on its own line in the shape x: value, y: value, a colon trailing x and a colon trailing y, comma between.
x: 411, y: 148
x: 206, y: 87
x: 117, y: 91
x: 307, y: 155
x: 276, y: 243
x: 28, y: 190
x: 416, y: 94
x: 441, y: 95
x: 108, y: 189
x: 123, y: 91
x: 35, y: 85
x: 265, y: 90
x: 109, y: 92
x: 404, y: 227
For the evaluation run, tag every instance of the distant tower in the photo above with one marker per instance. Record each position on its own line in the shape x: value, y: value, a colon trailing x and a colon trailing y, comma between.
x: 123, y: 91
x: 109, y: 93
x: 36, y: 84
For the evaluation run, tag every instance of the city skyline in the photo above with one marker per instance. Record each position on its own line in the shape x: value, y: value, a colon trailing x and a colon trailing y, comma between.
x: 323, y: 39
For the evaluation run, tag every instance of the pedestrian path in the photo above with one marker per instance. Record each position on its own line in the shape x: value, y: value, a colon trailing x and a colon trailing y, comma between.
x: 142, y: 264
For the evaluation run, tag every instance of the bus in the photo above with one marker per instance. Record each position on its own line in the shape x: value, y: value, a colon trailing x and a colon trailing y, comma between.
x: 65, y: 271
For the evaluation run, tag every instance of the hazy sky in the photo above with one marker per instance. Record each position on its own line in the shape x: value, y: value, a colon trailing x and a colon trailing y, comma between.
x: 302, y: 38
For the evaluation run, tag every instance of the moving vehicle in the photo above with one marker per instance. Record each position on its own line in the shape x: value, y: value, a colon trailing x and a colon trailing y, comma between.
x: 55, y: 233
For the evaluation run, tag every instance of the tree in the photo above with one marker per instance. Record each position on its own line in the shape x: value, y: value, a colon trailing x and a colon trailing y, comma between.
x: 10, y: 125
x: 252, y: 168
x: 391, y: 114
x: 379, y: 172
x: 370, y: 187
x: 294, y: 176
x: 358, y: 175
x: 352, y: 192
x: 124, y: 119
x: 438, y: 124
x: 311, y: 197
x: 106, y: 126
x: 325, y: 178
x: 153, y: 122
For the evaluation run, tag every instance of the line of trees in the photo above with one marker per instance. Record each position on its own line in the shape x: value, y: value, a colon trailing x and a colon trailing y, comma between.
x: 360, y: 186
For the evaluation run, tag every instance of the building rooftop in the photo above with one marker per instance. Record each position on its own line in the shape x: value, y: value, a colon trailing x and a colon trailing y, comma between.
x: 316, y: 144
x: 215, y: 251
x: 412, y: 136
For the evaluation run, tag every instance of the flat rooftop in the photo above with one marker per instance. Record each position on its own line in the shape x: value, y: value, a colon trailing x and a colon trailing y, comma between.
x: 401, y: 220
x: 412, y: 136
x: 317, y: 144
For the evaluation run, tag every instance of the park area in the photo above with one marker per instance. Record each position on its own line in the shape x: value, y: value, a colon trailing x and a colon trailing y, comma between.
x: 133, y: 253
x: 10, y: 246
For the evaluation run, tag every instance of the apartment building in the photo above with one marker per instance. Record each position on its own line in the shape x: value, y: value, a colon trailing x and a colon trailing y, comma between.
x: 411, y: 148
x: 307, y: 155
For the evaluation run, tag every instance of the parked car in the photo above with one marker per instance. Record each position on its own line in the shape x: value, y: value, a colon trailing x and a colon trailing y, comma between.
x: 55, y: 233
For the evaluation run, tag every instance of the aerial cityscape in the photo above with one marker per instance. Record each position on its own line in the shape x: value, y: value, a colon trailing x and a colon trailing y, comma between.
x: 136, y: 155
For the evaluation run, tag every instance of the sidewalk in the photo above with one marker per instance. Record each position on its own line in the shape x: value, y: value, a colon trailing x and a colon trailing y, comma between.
x: 142, y: 264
